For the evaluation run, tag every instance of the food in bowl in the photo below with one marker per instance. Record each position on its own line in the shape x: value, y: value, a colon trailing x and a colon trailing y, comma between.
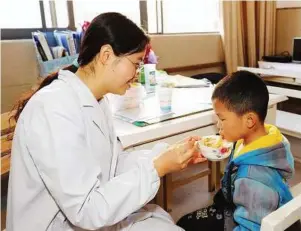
x: 215, y: 148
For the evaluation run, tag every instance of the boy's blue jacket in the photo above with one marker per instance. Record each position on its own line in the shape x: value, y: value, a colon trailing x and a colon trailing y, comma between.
x: 254, y: 183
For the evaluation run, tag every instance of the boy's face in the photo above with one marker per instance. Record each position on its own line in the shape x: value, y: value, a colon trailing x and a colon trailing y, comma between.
x: 232, y: 127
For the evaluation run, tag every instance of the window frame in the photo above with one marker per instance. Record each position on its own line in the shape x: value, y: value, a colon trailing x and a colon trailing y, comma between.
x: 160, y: 19
x: 26, y: 33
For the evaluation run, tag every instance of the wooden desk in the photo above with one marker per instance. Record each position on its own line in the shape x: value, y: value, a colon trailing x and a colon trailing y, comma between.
x: 7, y: 129
x: 7, y: 126
x: 5, y: 155
x: 5, y: 165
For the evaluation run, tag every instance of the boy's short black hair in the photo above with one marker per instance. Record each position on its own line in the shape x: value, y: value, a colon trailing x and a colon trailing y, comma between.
x: 243, y: 92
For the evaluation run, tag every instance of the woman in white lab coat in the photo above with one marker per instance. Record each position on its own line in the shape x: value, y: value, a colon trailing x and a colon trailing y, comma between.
x: 67, y: 170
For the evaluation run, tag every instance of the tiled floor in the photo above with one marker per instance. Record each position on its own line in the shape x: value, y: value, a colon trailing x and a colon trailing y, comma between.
x: 188, y: 198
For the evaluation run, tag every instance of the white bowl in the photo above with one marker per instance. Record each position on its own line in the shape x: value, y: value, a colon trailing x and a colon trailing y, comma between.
x: 212, y: 153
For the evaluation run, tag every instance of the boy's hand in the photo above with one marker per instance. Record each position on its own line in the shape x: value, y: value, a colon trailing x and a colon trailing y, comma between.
x: 200, y: 158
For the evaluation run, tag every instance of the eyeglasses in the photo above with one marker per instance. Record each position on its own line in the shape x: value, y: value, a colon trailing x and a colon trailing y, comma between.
x: 136, y: 65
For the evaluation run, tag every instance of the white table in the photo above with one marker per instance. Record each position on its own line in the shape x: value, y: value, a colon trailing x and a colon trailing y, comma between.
x: 135, y: 137
x: 288, y: 73
x: 283, y: 72
x: 203, y: 123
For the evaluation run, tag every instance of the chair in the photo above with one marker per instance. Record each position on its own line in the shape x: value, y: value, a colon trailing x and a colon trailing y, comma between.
x: 7, y: 126
x: 7, y: 130
x: 285, y: 216
x: 212, y: 171
x: 213, y: 77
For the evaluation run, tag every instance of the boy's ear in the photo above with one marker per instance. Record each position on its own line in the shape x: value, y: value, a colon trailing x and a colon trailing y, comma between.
x: 250, y: 119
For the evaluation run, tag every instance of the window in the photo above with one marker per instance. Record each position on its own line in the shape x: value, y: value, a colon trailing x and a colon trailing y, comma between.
x: 154, y: 16
x: 179, y: 16
x: 157, y: 16
x: 56, y: 14
x: 19, y: 18
x: 88, y: 9
x: 13, y: 15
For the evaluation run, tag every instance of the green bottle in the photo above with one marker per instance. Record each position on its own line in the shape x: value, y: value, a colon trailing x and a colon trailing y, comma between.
x: 142, y: 76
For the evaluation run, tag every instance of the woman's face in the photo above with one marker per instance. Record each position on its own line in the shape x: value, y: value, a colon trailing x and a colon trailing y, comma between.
x: 121, y: 71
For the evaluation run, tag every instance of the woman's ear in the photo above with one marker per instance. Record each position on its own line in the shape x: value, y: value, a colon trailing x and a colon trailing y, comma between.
x: 105, y: 54
x: 250, y: 119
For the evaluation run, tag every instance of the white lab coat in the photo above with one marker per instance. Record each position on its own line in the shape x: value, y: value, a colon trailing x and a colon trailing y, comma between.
x: 63, y: 168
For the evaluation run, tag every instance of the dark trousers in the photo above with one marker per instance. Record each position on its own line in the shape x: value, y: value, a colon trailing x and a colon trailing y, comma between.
x: 216, y: 217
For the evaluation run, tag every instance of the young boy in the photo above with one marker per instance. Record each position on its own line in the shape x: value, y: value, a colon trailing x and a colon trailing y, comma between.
x: 254, y: 182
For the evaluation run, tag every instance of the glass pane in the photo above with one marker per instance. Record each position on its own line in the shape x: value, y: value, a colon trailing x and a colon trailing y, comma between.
x: 152, y: 16
x: 13, y: 14
x: 190, y: 16
x: 61, y: 14
x: 88, y: 9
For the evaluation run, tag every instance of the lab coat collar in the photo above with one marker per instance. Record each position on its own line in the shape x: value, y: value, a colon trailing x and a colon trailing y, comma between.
x: 85, y: 96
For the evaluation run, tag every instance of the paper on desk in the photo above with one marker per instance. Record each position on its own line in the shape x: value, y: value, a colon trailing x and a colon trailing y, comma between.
x: 183, y: 81
x: 133, y: 115
x: 187, y: 82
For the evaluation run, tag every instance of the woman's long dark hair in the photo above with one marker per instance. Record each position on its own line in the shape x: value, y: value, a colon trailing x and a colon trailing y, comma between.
x: 113, y: 29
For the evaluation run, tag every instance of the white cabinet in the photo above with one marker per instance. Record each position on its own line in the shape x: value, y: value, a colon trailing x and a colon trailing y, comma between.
x: 203, y: 131
x: 209, y: 130
x: 271, y: 115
